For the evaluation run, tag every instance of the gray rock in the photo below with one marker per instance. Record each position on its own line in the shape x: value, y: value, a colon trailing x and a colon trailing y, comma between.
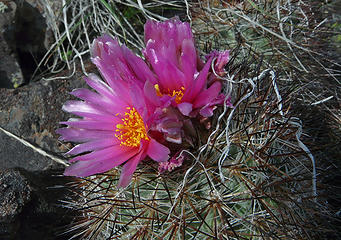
x: 33, y: 113
x: 30, y: 206
x: 15, y: 193
x: 25, y: 36
x: 10, y: 72
x: 51, y: 11
x: 14, y: 154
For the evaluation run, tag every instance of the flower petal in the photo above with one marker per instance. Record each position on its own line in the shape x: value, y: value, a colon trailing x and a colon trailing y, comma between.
x: 169, y: 76
x: 128, y: 169
x: 163, y: 32
x: 207, y: 95
x: 116, y: 61
x: 99, y: 165
x: 82, y: 135
x: 185, y: 108
x: 95, y: 50
x: 88, y: 110
x: 101, y: 102
x: 137, y: 99
x: 138, y: 66
x: 199, y: 83
x: 103, y: 154
x: 157, y: 151
x: 150, y: 93
x: 93, y: 145
x: 162, y: 51
x: 188, y: 61
x: 101, y: 87
x: 92, y: 125
x: 221, y: 60
x: 207, y: 111
x: 113, y: 77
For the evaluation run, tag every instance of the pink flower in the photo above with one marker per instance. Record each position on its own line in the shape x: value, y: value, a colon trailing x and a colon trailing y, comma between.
x: 115, y: 122
x: 180, y: 76
x: 142, y: 103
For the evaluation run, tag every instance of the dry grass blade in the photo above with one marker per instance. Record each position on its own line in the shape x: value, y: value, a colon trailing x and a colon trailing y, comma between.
x: 78, y: 22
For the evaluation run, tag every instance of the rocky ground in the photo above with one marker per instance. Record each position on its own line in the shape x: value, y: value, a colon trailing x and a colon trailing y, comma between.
x: 29, y: 182
x: 31, y: 185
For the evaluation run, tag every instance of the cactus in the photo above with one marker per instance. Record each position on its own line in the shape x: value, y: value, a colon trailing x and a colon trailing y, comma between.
x: 250, y: 178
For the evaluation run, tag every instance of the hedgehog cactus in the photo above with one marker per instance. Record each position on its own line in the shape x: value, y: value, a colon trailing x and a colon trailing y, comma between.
x: 249, y: 178
x: 235, y: 174
x: 245, y: 189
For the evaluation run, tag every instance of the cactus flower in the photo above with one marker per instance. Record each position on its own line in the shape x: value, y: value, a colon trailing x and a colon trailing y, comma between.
x: 180, y: 74
x: 114, y: 126
x: 141, y: 103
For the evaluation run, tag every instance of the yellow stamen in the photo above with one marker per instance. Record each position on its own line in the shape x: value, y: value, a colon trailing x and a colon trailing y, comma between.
x: 132, y: 129
x: 178, y: 94
x: 157, y: 89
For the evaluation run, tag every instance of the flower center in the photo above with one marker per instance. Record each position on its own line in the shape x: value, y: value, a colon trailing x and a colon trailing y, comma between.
x: 178, y: 94
x: 132, y: 129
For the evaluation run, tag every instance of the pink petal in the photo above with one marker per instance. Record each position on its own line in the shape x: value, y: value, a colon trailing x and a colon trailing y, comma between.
x: 128, y: 169
x: 103, y: 154
x: 92, y: 125
x: 137, y: 98
x: 174, y: 162
x: 110, y: 105
x: 118, y: 160
x: 188, y: 61
x: 116, y: 100
x: 184, y: 31
x: 99, y: 165
x: 116, y: 60
x: 139, y: 67
x: 150, y: 93
x: 89, y: 96
x: 199, y: 83
x: 207, y: 111
x: 82, y: 169
x: 95, y: 50
x: 82, y: 135
x: 207, y: 95
x: 110, y: 61
x: 170, y: 77
x: 185, y: 108
x: 223, y: 58
x: 164, y: 52
x: 113, y: 77
x: 93, y: 145
x: 117, y: 63
x: 163, y: 32
x: 170, y: 52
x: 87, y: 110
x: 101, y: 87
x: 157, y: 151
